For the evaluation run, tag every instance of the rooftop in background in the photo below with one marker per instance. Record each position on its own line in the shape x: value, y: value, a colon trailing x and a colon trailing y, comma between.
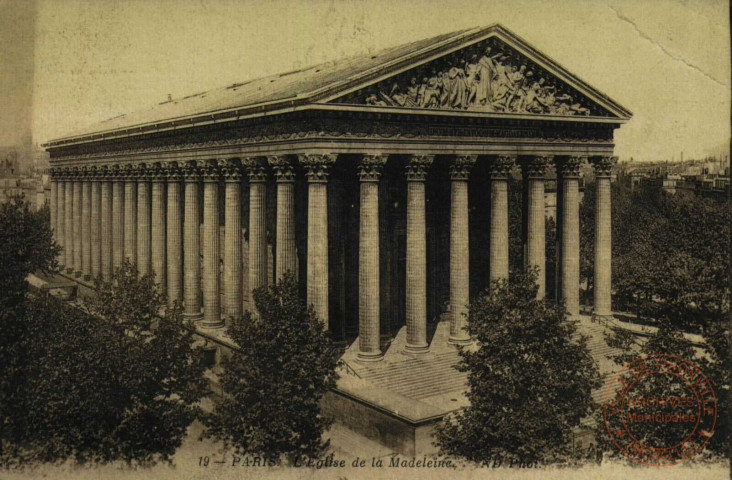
x: 318, y: 84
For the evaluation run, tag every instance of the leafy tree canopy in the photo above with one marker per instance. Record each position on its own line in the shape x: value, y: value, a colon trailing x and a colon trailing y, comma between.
x: 273, y: 385
x: 530, y: 380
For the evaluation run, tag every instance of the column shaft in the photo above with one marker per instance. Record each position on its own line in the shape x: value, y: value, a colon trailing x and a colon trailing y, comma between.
x: 232, y: 241
x: 130, y: 231
x: 106, y: 229
x: 534, y: 236
x: 286, y: 258
x: 500, y: 171
x: 174, y: 237
x: 569, y: 179
x: 86, y: 228
x: 60, y: 215
x: 144, y: 232
x: 53, y: 204
x: 416, y: 308
x: 603, y: 238
x: 118, y: 222
x: 158, y: 230
x: 459, y: 251
x: 96, y: 241
x: 69, y: 224
x: 257, y: 230
x: 77, y: 230
x: 211, y: 250
x: 191, y: 247
x: 369, y: 347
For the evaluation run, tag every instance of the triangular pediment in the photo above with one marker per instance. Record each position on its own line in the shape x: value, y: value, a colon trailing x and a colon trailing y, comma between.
x: 498, y: 73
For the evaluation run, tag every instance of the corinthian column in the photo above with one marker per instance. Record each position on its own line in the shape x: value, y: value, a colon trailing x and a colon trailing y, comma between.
x: 232, y: 239
x: 568, y: 169
x: 86, y: 224
x: 257, y: 227
x: 174, y: 234
x: 106, y: 224
x: 53, y: 204
x: 60, y: 214
x: 417, y: 254
x: 369, y: 172
x: 96, y: 206
x: 131, y: 214
x: 459, y: 252
x: 144, y: 238
x: 69, y: 219
x: 78, y: 233
x: 534, y: 169
x: 285, y: 253
x: 157, y: 226
x: 603, y: 237
x: 211, y: 247
x: 500, y: 171
x: 191, y: 247
x: 318, y: 168
x: 118, y: 217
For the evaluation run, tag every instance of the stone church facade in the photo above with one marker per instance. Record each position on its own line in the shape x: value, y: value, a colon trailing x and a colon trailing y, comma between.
x: 380, y: 181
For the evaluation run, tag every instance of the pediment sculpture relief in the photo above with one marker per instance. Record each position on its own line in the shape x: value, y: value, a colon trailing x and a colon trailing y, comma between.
x: 487, y: 77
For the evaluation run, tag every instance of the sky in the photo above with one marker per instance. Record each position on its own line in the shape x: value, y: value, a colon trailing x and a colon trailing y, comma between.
x: 667, y: 61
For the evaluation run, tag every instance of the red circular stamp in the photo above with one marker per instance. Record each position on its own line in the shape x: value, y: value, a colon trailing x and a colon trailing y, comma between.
x: 660, y: 410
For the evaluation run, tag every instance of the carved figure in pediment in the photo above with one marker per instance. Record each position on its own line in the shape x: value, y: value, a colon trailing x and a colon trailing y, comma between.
x: 487, y: 76
x: 375, y: 101
x: 471, y: 74
x: 502, y: 87
x: 413, y: 91
x: 459, y: 87
x: 431, y: 96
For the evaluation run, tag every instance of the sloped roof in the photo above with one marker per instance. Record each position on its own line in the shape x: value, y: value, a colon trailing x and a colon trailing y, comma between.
x: 315, y: 84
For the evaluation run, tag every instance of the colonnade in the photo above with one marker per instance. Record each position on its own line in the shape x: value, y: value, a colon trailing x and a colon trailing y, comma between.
x: 149, y: 214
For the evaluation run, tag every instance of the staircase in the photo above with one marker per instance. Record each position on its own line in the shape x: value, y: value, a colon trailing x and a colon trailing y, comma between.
x: 417, y: 377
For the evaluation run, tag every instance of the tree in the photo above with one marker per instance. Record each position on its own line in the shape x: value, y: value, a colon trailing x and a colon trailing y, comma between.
x: 712, y: 358
x: 116, y: 380
x: 274, y: 383
x: 26, y: 246
x: 530, y: 380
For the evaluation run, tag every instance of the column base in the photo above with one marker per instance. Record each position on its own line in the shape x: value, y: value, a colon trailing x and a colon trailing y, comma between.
x: 69, y: 270
x: 193, y: 316
x: 417, y: 349
x: 602, y: 317
x: 77, y: 274
x: 459, y: 340
x: 210, y: 325
x: 370, y: 356
x: 86, y: 277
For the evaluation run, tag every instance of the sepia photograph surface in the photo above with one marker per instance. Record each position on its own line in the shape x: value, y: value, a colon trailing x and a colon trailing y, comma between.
x: 365, y: 239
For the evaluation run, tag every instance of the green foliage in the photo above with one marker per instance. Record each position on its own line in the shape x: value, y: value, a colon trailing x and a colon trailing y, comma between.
x: 274, y: 384
x: 530, y: 381
x: 671, y: 256
x: 26, y: 246
x: 713, y: 358
x: 116, y: 382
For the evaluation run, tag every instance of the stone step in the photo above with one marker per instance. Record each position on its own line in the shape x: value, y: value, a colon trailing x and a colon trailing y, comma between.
x: 446, y: 380
x: 409, y: 373
x: 417, y: 381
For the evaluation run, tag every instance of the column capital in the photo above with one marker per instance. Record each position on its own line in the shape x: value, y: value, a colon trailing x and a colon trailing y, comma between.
x: 129, y: 172
x: 283, y: 167
x: 83, y: 174
x: 54, y: 172
x: 171, y: 171
x: 191, y: 172
x: 210, y: 171
x: 501, y: 166
x: 116, y: 174
x: 569, y: 167
x: 534, y: 166
x: 370, y: 167
x: 256, y: 169
x: 158, y: 173
x: 104, y: 173
x: 461, y: 166
x: 144, y: 172
x: 417, y: 167
x: 317, y: 166
x: 603, y: 165
x: 231, y: 169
